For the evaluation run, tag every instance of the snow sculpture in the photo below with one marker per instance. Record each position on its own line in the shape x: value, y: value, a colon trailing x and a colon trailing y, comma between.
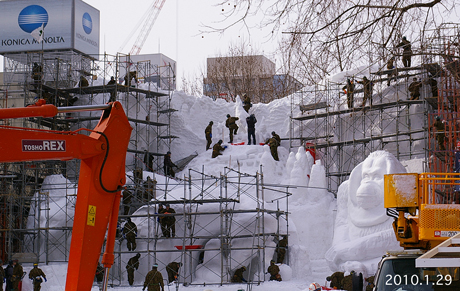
x: 363, y: 231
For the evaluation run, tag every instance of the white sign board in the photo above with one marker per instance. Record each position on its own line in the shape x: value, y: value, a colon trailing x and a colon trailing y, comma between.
x: 66, y: 24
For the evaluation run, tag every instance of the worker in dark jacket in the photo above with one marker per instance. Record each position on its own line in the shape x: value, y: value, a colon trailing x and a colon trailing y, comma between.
x: 367, y: 85
x: 154, y: 280
x: 18, y: 272
x: 113, y: 93
x: 434, y: 86
x: 173, y: 270
x: 336, y: 280
x: 133, y: 263
x: 127, y: 199
x: 231, y: 124
x: 238, y: 275
x: 392, y: 75
x: 440, y: 132
x: 36, y: 275
x: 277, y: 137
x: 251, y: 121
x: 281, y: 250
x: 217, y: 149
x: 246, y: 102
x: 168, y: 165
x: 274, y: 271
x: 99, y: 273
x: 130, y: 232
x: 208, y: 134
x: 349, y: 89
x: 407, y: 51
x: 9, y: 276
x: 414, y: 89
x: 273, y: 142
x: 161, y: 210
x: 170, y: 221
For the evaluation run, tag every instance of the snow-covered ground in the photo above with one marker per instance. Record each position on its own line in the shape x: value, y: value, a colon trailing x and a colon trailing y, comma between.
x: 325, y: 234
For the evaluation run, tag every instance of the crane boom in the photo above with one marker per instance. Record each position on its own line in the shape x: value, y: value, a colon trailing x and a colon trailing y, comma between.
x: 154, y: 11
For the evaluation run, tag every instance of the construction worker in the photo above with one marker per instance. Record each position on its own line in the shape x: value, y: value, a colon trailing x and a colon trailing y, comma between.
x: 83, y: 82
x: 173, y: 270
x: 440, y: 132
x: 9, y: 276
x: 281, y: 248
x: 148, y: 161
x: 370, y: 283
x: 113, y: 93
x: 238, y: 275
x: 273, y: 142
x: 2, y: 275
x: 251, y: 121
x: 130, y: 233
x: 154, y: 280
x: 170, y: 222
x: 367, y: 85
x: 393, y: 74
x: 149, y: 189
x: 348, y: 89
x: 217, y: 149
x: 208, y: 134
x: 246, y: 102
x: 99, y: 273
x: 168, y: 165
x: 129, y: 77
x: 127, y: 199
x: 36, y: 275
x: 37, y: 75
x: 274, y: 271
x: 336, y: 280
x: 133, y: 263
x: 414, y: 89
x: 231, y: 124
x: 161, y: 210
x: 407, y: 51
x: 18, y: 274
x: 347, y: 282
x: 277, y: 137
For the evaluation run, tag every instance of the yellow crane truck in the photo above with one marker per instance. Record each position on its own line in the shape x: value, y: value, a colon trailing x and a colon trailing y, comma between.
x: 426, y: 210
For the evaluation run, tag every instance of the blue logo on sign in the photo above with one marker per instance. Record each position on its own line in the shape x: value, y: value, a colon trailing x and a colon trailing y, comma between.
x: 32, y: 17
x: 87, y: 23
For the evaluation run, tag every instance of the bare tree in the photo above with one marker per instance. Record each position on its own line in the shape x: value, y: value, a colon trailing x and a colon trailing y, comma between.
x: 330, y: 35
x: 241, y: 70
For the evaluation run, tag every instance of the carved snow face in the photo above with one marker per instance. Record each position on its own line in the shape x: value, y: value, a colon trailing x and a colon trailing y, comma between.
x: 366, y: 193
x: 370, y: 191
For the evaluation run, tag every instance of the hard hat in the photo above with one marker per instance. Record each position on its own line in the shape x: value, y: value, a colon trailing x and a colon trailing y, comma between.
x: 155, y: 265
x: 35, y: 264
x: 437, y: 118
x: 272, y: 261
x: 314, y: 287
x: 244, y: 268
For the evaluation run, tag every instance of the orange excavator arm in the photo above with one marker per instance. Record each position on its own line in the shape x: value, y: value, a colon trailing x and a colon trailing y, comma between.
x: 102, y: 175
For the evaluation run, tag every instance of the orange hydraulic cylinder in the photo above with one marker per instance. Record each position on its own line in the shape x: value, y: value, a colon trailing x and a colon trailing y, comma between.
x: 46, y: 110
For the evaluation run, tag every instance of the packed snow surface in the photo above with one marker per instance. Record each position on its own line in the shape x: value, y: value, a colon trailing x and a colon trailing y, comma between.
x: 326, y: 234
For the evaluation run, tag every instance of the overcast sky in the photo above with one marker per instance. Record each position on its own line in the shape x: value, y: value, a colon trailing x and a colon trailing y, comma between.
x: 176, y: 32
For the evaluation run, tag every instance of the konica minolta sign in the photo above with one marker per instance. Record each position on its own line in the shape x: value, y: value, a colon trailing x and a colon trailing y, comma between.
x: 27, y: 25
